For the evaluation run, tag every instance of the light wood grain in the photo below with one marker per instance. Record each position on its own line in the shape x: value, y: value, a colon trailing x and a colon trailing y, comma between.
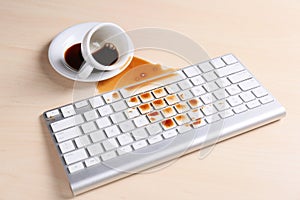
x: 262, y: 164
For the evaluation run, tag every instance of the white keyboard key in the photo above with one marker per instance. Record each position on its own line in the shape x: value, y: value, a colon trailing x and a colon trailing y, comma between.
x: 141, y: 121
x: 234, y: 100
x: 154, y: 116
x: 139, y: 134
x: 67, y: 123
x: 91, y: 115
x: 95, y: 149
x: 210, y: 86
x: 145, y: 108
x: 233, y: 89
x: 108, y: 155
x: 145, y: 97
x: 97, y: 136
x: 126, y: 126
x: 248, y: 84
x: 92, y: 161
x: 81, y: 104
x: 217, y: 62
x: 131, y: 113
x: 124, y: 150
x: 52, y: 113
x: 112, y: 131
x: 209, y: 76
x: 133, y: 101
x: 168, y: 124
x: 103, y: 122
x: 192, y: 71
x: 230, y: 69
x: 173, y: 88
x: 185, y: 84
x: 181, y: 119
x: 82, y: 141
x: 185, y: 95
x: 96, y: 102
x: 155, y: 139
x: 159, y: 92
x: 223, y: 82
x: 259, y: 92
x: 139, y: 144
x: 105, y: 110
x: 88, y: 127
x: 226, y: 113
x: 221, y: 93
x: 212, y: 118
x: 253, y: 104
x: 229, y: 59
x: 154, y: 129
x: 195, y: 103
x: 110, y: 144
x: 205, y: 67
x: 159, y: 103
x: 75, y: 167
x: 111, y: 96
x: 125, y: 139
x: 197, y: 80
x: 222, y: 105
x: 208, y: 109
x: 170, y: 133
x: 182, y: 107
x: 195, y: 114
x: 67, y: 134
x: 66, y: 146
x: 118, y: 117
x: 118, y: 106
x: 240, y: 76
x: 68, y: 111
x: 199, y: 123
x: 75, y: 156
x: 208, y: 98
x: 184, y: 128
x: 247, y: 96
x: 266, y: 99
x: 240, y: 108
x: 198, y: 90
x: 172, y: 99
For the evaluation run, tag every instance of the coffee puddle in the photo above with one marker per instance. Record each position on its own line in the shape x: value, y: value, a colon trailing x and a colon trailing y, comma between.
x: 137, y: 71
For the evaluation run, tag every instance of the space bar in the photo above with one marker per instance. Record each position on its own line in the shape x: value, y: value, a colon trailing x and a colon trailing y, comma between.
x: 152, y: 84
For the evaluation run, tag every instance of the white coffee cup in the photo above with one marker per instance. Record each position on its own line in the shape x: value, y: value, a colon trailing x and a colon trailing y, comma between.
x: 108, y: 34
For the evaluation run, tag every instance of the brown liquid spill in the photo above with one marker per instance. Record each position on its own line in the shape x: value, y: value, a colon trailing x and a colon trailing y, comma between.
x: 197, y: 122
x: 152, y: 119
x: 168, y: 110
x: 145, y: 107
x: 180, y: 117
x: 115, y: 95
x: 168, y: 123
x: 133, y: 99
x: 146, y: 96
x: 153, y: 114
x: 171, y: 97
x: 142, y: 70
x: 158, y: 102
x: 180, y: 106
x: 194, y: 102
x: 158, y: 91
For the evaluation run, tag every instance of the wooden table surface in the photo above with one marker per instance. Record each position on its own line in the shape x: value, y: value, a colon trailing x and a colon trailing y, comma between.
x: 262, y: 164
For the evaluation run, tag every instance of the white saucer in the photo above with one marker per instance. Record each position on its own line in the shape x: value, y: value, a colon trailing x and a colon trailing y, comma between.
x: 66, y: 39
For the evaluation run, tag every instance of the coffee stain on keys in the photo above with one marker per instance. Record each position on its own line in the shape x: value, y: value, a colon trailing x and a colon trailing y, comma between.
x: 137, y: 71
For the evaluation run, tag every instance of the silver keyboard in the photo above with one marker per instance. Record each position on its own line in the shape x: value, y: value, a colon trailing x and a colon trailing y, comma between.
x: 113, y: 135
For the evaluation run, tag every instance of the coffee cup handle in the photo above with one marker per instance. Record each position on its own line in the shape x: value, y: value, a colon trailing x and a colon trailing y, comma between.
x: 85, y: 70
